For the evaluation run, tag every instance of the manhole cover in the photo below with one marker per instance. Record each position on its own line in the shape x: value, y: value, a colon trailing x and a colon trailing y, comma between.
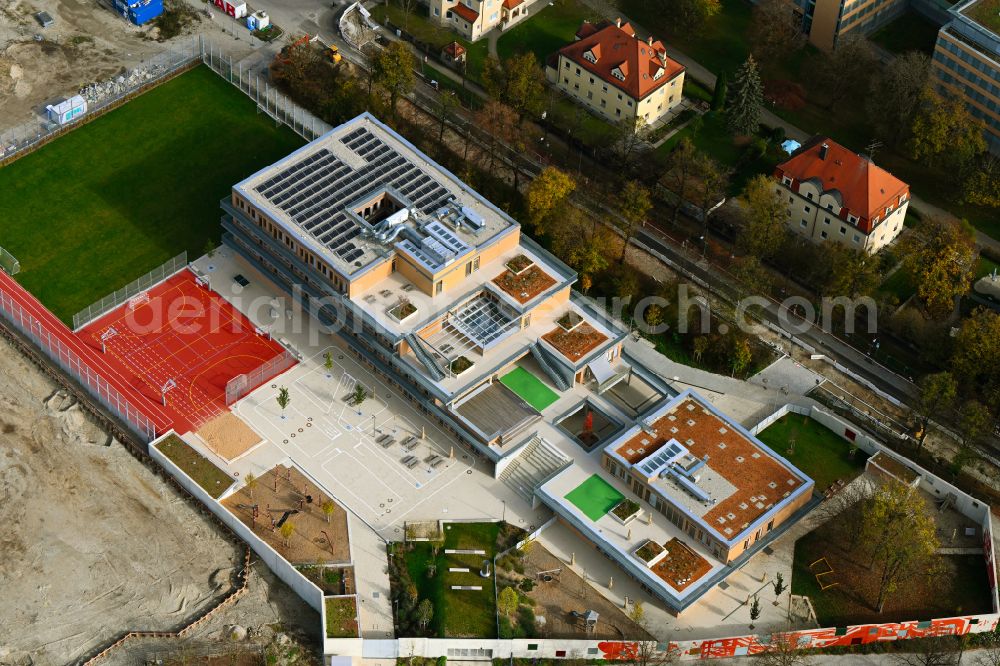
x: 274, y: 386
x: 284, y: 441
x: 292, y: 435
x: 300, y: 430
x: 468, y: 471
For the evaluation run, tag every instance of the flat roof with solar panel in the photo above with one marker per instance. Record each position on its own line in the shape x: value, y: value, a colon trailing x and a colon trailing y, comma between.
x: 361, y: 191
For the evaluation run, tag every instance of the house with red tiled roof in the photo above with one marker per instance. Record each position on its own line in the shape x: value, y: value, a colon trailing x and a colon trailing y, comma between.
x: 835, y: 195
x: 617, y: 75
x: 474, y: 18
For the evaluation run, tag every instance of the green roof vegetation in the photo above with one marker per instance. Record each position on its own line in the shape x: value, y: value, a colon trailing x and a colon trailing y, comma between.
x: 201, y: 470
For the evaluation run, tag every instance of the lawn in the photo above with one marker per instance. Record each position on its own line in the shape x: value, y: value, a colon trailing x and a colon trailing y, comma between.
x: 118, y: 196
x: 986, y: 267
x: 594, y: 497
x: 457, y: 613
x: 910, y: 32
x: 530, y: 388
x: 341, y: 618
x: 212, y: 479
x: 963, y: 586
x: 714, y: 139
x: 721, y: 46
x: 818, y: 451
x: 547, y: 31
x: 569, y: 115
x: 899, y: 284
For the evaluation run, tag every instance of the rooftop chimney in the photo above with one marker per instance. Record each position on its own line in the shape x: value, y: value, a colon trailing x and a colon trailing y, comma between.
x: 823, y: 150
x: 618, y: 22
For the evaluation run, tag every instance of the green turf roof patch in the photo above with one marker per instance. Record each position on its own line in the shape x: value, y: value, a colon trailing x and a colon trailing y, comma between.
x: 594, y: 497
x: 212, y: 479
x: 530, y: 388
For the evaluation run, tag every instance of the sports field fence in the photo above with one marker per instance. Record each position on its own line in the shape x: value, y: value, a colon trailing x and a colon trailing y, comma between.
x: 102, y: 96
x: 129, y: 291
x: 9, y: 263
x: 69, y: 361
x: 240, y: 385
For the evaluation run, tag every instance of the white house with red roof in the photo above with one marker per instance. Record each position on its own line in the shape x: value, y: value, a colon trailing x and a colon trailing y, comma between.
x: 474, y: 18
x: 834, y: 194
x: 616, y: 74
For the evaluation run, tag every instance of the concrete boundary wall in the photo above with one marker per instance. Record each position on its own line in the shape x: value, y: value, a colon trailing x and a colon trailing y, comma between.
x: 301, y: 585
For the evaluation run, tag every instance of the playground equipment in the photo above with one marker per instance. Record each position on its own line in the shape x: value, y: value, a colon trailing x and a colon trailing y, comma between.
x: 589, y: 619
x: 829, y: 570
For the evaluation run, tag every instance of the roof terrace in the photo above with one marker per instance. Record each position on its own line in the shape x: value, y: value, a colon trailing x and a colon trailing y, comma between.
x: 707, y: 464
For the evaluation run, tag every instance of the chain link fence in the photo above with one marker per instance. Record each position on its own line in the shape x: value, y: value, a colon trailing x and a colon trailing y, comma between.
x: 68, y: 360
x: 240, y: 385
x: 268, y: 99
x: 134, y: 288
x: 101, y: 97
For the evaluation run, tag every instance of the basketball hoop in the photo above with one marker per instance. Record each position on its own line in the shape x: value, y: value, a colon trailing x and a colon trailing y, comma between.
x: 105, y: 336
x: 170, y: 384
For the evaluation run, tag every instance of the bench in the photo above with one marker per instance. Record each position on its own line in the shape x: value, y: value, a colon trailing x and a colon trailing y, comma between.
x: 411, y: 443
x: 406, y: 460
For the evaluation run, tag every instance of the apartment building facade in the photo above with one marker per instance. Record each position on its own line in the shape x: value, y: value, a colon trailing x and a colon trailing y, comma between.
x: 826, y: 22
x: 616, y: 75
x: 835, y: 195
x: 474, y: 18
x: 966, y: 63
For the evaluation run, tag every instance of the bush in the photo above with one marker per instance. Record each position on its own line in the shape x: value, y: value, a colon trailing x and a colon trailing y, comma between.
x: 526, y: 621
x: 526, y: 585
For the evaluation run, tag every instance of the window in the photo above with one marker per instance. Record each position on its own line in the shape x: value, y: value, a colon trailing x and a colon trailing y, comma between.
x: 591, y: 80
x: 826, y: 220
x: 566, y: 65
x: 804, y: 224
x: 785, y: 180
x: 578, y: 71
x: 857, y: 238
x: 605, y: 86
x: 439, y: 287
x: 532, y: 646
x: 590, y: 94
x: 619, y: 96
x: 604, y: 103
x: 823, y: 234
x: 843, y: 231
x: 809, y: 195
x: 437, y: 12
x: 618, y: 112
x: 791, y: 199
x: 770, y: 525
x: 807, y: 209
x: 560, y: 653
x: 853, y: 219
x: 475, y: 264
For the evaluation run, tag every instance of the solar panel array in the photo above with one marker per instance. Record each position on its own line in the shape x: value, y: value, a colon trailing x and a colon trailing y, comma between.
x: 315, y: 190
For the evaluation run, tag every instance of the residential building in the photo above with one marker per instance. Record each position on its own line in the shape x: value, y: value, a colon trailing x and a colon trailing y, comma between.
x: 835, y: 195
x: 474, y: 18
x: 431, y: 284
x: 617, y: 75
x: 714, y: 493
x: 826, y: 22
x: 966, y: 62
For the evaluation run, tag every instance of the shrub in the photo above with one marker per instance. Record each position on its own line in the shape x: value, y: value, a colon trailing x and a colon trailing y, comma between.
x: 526, y: 584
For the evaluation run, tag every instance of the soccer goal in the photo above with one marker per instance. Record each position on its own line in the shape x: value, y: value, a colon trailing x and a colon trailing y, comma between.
x: 137, y: 300
x: 9, y: 263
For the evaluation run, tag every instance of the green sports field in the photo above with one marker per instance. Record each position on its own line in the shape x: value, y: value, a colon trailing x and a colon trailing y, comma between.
x: 595, y: 497
x: 114, y: 198
x: 530, y: 388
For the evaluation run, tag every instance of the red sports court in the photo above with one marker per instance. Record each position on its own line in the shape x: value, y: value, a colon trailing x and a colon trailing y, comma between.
x: 180, y: 342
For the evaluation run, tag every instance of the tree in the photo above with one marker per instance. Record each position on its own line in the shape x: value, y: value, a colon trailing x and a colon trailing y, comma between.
x: 775, y: 29
x: 783, y: 650
x: 499, y: 122
x: 899, y: 536
x: 359, y: 395
x: 936, y: 651
x: 941, y: 259
x: 690, y: 15
x: 250, y: 481
x: 284, y: 399
x: 752, y: 276
x: 209, y: 248
x: 719, y: 93
x: 710, y: 184
x: 975, y: 361
x: 699, y: 346
x: 849, y: 272
x: 892, y: 90
x: 634, y: 205
x: 764, y: 231
x: 328, y: 508
x: 628, y: 135
x: 989, y: 649
x: 846, y: 69
x: 754, y: 610
x: 286, y: 530
x: 546, y: 196
x: 637, y: 612
x: 778, y: 585
x: 589, y: 255
x: 425, y: 613
x: 507, y: 601
x: 937, y: 395
x: 447, y: 102
x: 981, y: 185
x: 392, y: 69
x: 517, y: 82
x: 740, y: 354
x: 679, y: 177
x: 945, y: 134
x: 746, y: 97
x: 328, y: 361
x: 974, y: 422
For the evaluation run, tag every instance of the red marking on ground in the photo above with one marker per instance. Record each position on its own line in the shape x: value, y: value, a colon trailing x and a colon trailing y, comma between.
x: 185, y: 333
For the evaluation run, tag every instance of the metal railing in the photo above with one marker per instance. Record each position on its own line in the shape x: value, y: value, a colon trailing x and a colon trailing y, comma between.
x: 240, y: 385
x: 134, y: 288
x: 69, y: 361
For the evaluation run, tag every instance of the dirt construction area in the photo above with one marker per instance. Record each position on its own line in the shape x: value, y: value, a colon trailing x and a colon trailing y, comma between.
x: 95, y: 543
x: 86, y: 43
